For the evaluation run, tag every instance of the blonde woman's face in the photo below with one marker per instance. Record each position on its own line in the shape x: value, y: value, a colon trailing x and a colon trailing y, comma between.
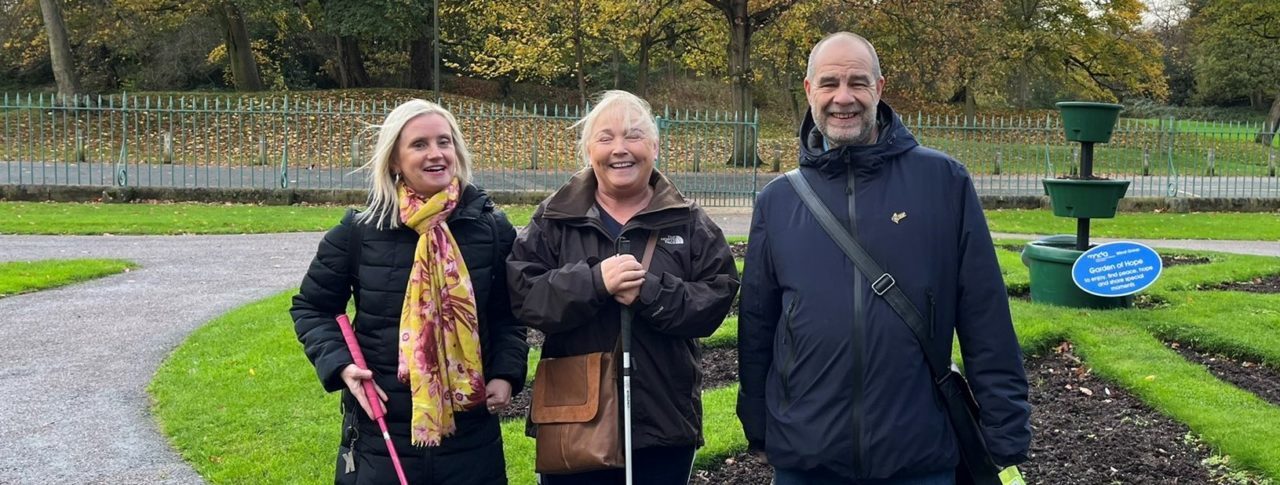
x: 621, y: 155
x: 425, y: 156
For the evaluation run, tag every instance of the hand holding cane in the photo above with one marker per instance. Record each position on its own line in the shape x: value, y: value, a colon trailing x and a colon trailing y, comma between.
x: 375, y: 404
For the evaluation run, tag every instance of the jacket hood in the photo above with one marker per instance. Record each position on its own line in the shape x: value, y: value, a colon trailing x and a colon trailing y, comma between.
x: 577, y: 198
x: 866, y: 160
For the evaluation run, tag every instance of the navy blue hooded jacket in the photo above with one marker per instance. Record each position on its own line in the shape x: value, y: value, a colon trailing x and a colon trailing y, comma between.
x: 830, y: 376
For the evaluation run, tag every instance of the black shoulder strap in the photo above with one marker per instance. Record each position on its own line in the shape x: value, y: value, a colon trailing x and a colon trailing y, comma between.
x: 356, y: 241
x: 883, y: 283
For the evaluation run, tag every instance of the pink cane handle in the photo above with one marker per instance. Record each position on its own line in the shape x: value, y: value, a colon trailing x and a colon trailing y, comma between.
x: 349, y: 335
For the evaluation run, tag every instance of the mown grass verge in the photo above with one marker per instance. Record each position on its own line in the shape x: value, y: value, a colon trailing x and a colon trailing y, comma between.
x: 19, y: 277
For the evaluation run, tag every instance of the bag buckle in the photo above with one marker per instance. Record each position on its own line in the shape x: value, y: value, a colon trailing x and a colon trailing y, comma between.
x: 883, y: 284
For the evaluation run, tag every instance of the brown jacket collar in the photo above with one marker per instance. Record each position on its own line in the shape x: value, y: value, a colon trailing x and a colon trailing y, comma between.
x: 577, y: 200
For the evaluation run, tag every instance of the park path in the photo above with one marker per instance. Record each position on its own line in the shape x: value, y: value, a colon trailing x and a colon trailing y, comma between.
x: 78, y: 358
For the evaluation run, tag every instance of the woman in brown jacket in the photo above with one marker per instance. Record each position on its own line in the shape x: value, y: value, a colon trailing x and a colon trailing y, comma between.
x: 568, y: 279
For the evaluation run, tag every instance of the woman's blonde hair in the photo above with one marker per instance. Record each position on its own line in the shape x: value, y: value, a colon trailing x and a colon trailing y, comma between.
x: 384, y: 204
x: 636, y: 114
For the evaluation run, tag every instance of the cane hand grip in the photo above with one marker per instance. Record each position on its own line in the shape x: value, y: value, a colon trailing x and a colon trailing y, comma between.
x: 349, y: 335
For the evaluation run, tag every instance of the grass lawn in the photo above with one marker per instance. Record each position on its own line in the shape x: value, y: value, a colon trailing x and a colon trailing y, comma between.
x: 250, y: 410
x: 70, y: 218
x: 177, y: 218
x: 27, y: 276
x: 1258, y: 226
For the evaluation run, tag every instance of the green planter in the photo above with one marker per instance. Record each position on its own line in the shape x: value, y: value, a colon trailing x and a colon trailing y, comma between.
x: 1089, y: 122
x: 1085, y: 199
x: 1049, y: 261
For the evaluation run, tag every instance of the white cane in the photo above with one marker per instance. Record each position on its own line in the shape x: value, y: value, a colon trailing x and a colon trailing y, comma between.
x: 624, y: 247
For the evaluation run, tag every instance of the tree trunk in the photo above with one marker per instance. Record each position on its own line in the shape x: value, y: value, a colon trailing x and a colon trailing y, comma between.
x: 351, y: 73
x: 617, y: 68
x: 420, y: 63
x: 1268, y: 133
x: 642, y: 75
x: 744, y: 146
x: 577, y: 52
x: 244, y: 68
x: 970, y: 107
x: 64, y: 71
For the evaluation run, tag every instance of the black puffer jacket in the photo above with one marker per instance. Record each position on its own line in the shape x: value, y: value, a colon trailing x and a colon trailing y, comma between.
x: 484, y: 236
x: 556, y: 286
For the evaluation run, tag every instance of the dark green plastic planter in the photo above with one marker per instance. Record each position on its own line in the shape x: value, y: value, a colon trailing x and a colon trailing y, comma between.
x: 1089, y: 122
x: 1085, y: 199
x: 1050, y: 260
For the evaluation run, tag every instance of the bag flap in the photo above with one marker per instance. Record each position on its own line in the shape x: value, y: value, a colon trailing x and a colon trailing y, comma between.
x: 567, y: 389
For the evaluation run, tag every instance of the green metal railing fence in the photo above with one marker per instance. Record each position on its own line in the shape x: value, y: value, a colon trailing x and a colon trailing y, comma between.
x: 298, y: 141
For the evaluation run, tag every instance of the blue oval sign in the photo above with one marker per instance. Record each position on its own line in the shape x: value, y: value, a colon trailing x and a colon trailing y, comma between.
x: 1116, y: 269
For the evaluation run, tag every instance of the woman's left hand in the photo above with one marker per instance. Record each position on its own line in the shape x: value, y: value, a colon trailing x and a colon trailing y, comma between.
x: 499, y: 395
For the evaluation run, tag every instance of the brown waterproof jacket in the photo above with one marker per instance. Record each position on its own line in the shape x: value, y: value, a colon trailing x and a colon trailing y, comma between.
x: 554, y: 277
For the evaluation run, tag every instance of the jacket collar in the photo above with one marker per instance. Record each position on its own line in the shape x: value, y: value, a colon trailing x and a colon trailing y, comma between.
x: 576, y: 201
x: 865, y: 160
x: 472, y: 203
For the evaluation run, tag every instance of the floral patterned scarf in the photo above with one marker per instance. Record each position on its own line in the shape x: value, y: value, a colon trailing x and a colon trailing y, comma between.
x: 439, y: 332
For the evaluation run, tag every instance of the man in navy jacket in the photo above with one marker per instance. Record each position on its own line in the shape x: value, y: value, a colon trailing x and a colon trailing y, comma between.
x: 834, y: 387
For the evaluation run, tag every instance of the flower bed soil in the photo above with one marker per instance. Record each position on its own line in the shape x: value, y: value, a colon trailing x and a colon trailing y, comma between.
x: 1087, y: 431
x: 719, y: 367
x: 1248, y: 374
x: 1265, y: 284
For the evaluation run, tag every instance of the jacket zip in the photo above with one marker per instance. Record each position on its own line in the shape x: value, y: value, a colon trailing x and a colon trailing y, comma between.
x: 789, y: 363
x: 859, y: 320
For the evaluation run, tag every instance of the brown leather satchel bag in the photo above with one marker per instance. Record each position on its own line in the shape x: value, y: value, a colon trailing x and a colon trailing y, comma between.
x: 576, y: 408
x: 575, y: 405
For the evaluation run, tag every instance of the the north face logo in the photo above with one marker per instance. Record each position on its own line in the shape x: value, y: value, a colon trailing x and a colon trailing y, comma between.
x: 673, y: 239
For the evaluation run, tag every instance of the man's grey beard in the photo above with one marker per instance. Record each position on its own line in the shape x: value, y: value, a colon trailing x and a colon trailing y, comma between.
x: 865, y: 136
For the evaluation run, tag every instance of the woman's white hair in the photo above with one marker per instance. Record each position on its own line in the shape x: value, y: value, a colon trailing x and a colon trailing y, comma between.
x: 636, y: 114
x: 384, y: 204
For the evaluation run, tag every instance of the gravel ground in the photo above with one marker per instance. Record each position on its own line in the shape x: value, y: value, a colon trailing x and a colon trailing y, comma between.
x: 78, y: 358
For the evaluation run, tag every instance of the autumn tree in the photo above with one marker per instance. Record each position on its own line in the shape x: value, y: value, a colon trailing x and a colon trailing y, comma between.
x: 743, y: 21
x: 1065, y: 48
x: 638, y: 28
x: 244, y: 68
x: 1236, y: 55
x: 64, y: 71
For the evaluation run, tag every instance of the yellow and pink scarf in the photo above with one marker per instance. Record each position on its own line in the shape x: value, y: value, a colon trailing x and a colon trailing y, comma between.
x: 439, y: 331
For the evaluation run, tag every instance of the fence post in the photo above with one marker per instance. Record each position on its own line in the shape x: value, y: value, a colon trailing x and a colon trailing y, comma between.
x: 284, y: 154
x: 79, y: 145
x: 1271, y: 151
x: 168, y: 148
x: 1173, y: 169
x: 1075, y: 160
x: 262, y: 150
x: 355, y: 151
x: 122, y: 167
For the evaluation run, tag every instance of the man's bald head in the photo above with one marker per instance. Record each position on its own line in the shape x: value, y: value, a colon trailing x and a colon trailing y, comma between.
x: 842, y: 40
